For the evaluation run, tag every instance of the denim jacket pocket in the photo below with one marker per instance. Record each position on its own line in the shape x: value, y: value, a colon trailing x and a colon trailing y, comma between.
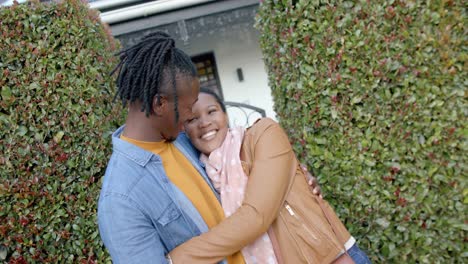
x: 169, y: 214
x: 173, y: 227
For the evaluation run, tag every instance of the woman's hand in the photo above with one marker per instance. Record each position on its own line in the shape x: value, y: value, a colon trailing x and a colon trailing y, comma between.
x: 312, y: 181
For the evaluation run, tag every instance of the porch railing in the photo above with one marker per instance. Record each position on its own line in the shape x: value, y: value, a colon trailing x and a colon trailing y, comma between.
x: 241, y: 114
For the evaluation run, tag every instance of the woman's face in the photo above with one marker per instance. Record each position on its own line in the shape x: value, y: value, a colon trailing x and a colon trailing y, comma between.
x: 208, y: 127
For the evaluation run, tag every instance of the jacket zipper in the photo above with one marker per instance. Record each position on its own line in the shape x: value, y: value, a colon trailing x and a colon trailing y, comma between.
x: 291, y: 212
x: 295, y: 240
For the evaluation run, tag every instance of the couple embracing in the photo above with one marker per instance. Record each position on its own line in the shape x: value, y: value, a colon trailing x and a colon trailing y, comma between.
x: 211, y: 194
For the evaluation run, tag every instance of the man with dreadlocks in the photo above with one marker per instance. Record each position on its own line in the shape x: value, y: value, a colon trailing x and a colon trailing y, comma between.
x: 155, y: 194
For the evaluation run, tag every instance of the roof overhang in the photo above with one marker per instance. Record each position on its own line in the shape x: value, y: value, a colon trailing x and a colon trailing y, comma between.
x: 173, y: 15
x: 145, y: 9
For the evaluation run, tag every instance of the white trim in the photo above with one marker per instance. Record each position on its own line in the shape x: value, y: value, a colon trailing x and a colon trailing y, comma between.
x: 103, y: 4
x: 350, y: 243
x: 147, y: 9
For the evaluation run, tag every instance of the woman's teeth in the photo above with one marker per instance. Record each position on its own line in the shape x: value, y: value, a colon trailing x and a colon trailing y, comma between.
x: 209, y: 135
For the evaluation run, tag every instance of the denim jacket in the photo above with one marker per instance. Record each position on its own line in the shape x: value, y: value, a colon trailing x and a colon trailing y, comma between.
x: 142, y: 216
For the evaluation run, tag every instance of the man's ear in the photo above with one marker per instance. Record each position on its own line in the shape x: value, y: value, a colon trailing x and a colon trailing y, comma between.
x: 160, y: 105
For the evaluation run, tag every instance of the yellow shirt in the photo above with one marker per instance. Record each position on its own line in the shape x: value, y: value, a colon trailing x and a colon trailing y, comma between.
x: 183, y: 175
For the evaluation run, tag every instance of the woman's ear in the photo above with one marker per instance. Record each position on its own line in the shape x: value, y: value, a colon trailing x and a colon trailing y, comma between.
x: 160, y: 105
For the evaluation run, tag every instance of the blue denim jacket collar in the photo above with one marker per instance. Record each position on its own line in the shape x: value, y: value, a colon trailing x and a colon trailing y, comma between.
x: 132, y: 152
x: 142, y: 157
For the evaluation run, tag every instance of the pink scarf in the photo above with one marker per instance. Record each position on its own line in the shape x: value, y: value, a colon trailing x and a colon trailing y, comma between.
x: 224, y: 168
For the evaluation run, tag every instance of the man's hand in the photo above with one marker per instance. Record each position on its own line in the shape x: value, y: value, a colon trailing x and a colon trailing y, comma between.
x: 312, y: 181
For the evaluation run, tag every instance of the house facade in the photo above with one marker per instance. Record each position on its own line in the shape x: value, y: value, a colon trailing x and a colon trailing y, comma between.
x: 218, y: 35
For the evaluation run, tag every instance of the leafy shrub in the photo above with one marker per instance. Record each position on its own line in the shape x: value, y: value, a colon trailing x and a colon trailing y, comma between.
x: 373, y: 94
x: 56, y: 113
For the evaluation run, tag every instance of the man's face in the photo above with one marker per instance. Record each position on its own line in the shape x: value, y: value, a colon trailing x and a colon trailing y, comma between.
x: 187, y: 92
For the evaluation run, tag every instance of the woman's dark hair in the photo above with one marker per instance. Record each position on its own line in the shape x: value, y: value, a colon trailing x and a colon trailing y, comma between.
x: 215, y: 95
x: 148, y: 65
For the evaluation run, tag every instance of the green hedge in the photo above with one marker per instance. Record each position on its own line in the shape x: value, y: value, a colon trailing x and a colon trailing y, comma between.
x: 56, y: 114
x: 373, y: 95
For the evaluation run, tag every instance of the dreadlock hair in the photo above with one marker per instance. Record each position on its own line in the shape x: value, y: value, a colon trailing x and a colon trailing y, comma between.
x: 216, y: 97
x: 146, y: 66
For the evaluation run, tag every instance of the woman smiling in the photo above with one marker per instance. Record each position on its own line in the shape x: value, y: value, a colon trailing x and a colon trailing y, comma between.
x: 272, y: 216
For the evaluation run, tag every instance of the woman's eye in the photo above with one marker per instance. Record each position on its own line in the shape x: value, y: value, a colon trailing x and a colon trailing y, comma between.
x: 211, y: 111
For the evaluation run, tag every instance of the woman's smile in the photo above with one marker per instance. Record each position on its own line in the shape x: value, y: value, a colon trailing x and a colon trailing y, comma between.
x: 208, y: 126
x: 209, y: 135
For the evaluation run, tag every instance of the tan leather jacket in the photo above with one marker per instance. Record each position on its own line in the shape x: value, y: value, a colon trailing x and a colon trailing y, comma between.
x: 277, y: 196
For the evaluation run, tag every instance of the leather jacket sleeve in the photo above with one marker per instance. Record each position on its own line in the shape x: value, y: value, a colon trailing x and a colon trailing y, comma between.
x: 269, y: 181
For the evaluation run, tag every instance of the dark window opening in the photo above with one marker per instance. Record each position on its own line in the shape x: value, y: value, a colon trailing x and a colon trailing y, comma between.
x: 208, y: 72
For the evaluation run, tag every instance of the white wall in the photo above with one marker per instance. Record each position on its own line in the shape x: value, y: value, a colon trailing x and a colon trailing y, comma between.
x: 237, y: 49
